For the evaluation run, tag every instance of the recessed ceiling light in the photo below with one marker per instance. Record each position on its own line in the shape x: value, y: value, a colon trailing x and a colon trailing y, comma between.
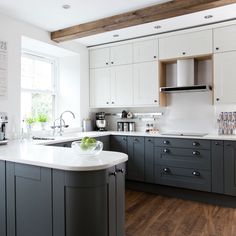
x: 208, y: 16
x: 116, y: 35
x: 66, y: 6
x: 157, y: 27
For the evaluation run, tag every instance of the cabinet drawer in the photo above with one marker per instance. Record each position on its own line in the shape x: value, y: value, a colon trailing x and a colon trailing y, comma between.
x: 181, y: 157
x: 182, y: 177
x: 183, y: 143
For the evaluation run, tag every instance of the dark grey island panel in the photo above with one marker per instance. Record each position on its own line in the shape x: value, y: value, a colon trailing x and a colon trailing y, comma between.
x: 50, y: 202
x: 2, y: 198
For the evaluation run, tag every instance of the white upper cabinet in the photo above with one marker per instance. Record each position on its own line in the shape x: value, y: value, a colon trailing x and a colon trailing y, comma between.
x: 99, y: 57
x: 186, y: 45
x: 146, y: 86
x: 121, y: 54
x: 225, y: 77
x: 122, y: 85
x: 145, y: 50
x: 100, y: 87
x: 225, y: 39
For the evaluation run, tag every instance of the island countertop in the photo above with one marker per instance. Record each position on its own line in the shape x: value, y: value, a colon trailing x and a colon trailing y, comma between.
x: 26, y: 152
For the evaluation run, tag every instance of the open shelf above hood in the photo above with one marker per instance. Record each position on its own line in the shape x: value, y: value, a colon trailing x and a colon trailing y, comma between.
x: 184, y: 89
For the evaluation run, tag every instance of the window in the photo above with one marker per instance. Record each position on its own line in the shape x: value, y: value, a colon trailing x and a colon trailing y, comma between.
x: 38, y: 86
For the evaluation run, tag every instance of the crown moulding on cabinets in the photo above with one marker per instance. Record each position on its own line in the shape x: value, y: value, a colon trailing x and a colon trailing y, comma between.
x: 141, y: 16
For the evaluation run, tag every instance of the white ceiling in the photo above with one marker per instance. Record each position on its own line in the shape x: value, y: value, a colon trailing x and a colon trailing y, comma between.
x: 49, y: 15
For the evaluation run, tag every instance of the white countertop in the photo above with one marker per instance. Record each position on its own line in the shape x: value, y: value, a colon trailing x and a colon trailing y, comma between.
x: 26, y: 152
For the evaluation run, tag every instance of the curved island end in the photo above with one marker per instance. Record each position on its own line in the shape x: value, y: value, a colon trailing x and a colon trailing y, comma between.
x: 50, y: 191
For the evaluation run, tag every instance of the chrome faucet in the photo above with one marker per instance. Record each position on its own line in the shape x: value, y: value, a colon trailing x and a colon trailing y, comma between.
x: 61, y: 120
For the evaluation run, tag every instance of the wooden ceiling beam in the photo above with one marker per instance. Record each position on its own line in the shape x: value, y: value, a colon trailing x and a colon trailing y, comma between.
x: 145, y: 15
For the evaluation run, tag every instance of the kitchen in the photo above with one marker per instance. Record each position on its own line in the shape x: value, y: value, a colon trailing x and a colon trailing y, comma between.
x: 173, y: 77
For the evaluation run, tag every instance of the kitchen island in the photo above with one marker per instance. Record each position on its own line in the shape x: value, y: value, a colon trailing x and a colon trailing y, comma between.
x: 51, y: 191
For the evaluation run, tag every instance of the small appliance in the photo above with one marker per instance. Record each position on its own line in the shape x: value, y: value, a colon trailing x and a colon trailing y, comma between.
x: 3, y: 122
x: 101, y: 122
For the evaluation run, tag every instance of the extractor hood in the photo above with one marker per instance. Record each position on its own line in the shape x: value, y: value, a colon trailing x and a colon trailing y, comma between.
x: 194, y: 88
x: 186, y: 79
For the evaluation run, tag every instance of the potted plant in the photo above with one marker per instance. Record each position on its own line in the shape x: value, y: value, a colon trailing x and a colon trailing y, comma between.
x: 42, y: 119
x: 30, y: 122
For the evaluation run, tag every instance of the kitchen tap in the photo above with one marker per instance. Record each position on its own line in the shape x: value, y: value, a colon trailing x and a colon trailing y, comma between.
x: 61, y: 120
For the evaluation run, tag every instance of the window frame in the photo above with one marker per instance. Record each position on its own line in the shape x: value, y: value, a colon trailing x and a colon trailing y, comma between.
x: 55, y: 78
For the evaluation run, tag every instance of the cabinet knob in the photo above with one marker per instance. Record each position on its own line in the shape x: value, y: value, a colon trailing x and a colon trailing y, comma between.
x: 106, y: 63
x: 112, y: 62
x: 120, y: 170
x: 196, y: 173
x: 107, y: 102
x: 112, y: 103
x: 166, y: 170
x: 135, y: 140
x: 166, y: 142
x: 217, y: 99
x: 155, y: 57
x: 124, y: 139
x: 217, y: 48
x: 149, y: 140
x: 184, y: 53
x: 155, y: 100
x: 195, y: 144
x: 166, y: 150
x: 196, y: 153
x: 217, y: 143
x: 113, y: 173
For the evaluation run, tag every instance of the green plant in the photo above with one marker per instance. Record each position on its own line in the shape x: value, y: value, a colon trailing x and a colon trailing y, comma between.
x: 30, y: 120
x: 42, y: 118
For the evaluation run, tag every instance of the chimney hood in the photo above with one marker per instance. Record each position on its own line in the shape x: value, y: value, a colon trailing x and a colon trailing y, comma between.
x: 186, y: 79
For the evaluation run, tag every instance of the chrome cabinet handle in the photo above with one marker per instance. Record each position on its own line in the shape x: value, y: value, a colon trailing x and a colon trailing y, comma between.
x: 166, y: 170
x: 196, y: 173
x: 166, y: 142
x: 196, y: 153
x: 195, y: 144
x: 113, y: 173
x: 120, y: 170
x: 166, y: 150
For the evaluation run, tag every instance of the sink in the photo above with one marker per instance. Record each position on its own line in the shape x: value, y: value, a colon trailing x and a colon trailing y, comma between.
x: 184, y: 134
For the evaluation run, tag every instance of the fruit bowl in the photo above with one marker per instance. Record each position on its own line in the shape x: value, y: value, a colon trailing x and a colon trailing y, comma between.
x: 87, y: 147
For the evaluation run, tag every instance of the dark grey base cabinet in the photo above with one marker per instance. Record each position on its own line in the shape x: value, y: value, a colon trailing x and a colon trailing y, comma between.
x: 3, y: 198
x: 49, y: 202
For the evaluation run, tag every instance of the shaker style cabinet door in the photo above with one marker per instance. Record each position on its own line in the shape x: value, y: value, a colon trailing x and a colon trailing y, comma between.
x: 121, y: 54
x: 122, y: 85
x: 225, y: 77
x: 185, y: 45
x: 145, y: 51
x: 225, y: 39
x: 100, y: 87
x: 146, y: 88
x: 99, y: 57
x: 3, y: 222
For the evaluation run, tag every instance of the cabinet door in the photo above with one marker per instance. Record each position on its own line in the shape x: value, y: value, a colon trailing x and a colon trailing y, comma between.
x: 217, y: 159
x: 230, y: 168
x: 121, y: 55
x: 185, y: 45
x: 135, y: 169
x: 122, y: 85
x: 149, y: 160
x: 145, y: 50
x: 118, y: 143
x: 3, y: 222
x: 146, y: 88
x: 225, y: 38
x: 225, y: 77
x: 99, y: 57
x: 100, y: 87
x: 29, y: 200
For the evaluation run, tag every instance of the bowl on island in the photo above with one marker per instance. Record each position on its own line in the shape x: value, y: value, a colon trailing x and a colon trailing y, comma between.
x: 87, y: 147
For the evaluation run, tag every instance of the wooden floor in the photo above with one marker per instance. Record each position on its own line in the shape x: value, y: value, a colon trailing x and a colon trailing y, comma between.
x: 153, y: 215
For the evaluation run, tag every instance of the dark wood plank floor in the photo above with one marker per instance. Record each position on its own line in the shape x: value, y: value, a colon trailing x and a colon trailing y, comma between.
x: 153, y: 215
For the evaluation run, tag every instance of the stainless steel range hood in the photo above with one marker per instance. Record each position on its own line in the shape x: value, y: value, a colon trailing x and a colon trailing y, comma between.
x: 194, y: 88
x: 186, y: 79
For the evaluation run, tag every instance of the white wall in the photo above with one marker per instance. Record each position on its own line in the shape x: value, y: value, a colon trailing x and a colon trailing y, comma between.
x: 12, y: 30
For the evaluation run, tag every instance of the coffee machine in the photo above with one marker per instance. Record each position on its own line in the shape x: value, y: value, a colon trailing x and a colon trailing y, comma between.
x: 101, y: 122
x: 3, y: 122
